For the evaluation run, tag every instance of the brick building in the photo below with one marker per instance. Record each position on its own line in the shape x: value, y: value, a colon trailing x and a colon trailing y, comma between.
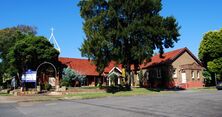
x: 178, y: 68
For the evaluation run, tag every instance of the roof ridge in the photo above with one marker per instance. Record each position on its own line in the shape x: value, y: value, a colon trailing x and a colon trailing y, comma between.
x: 180, y: 49
x: 72, y: 58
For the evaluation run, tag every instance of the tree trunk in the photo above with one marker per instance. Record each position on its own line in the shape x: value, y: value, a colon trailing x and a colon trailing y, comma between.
x: 128, y: 78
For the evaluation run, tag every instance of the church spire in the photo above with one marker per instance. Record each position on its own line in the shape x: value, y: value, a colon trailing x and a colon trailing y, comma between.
x: 53, y: 41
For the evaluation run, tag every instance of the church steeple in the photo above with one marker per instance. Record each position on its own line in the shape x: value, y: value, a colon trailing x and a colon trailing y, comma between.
x: 52, y: 40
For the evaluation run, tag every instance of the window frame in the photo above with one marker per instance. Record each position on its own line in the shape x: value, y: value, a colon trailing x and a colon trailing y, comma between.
x: 198, y: 74
x: 192, y: 74
x: 174, y: 73
x: 158, y: 73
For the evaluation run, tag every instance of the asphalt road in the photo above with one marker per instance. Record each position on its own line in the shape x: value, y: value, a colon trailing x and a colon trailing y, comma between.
x: 179, y: 104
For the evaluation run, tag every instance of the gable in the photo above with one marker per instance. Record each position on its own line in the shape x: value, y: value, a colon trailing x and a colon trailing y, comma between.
x: 168, y: 57
x: 193, y: 66
x: 185, y: 58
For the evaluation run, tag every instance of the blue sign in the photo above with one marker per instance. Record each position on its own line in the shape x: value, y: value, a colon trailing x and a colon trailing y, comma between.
x: 29, y: 76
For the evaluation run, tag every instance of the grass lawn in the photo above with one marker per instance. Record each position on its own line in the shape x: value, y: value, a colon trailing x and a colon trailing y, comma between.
x: 5, y: 94
x: 206, y: 89
x: 135, y: 91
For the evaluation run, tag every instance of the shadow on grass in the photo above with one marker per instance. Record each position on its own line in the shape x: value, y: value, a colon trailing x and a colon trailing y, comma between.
x: 119, y: 88
x: 114, y: 89
x: 165, y: 89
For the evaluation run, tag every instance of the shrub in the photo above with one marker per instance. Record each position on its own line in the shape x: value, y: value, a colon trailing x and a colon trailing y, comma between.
x: 69, y: 76
x: 46, y: 86
x: 117, y: 88
x: 64, y: 83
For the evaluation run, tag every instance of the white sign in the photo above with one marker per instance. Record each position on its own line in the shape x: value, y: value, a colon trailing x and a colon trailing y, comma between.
x: 29, y: 76
x: 52, y: 81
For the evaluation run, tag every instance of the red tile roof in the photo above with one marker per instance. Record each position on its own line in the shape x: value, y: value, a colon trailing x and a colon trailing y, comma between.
x: 168, y: 57
x: 84, y: 66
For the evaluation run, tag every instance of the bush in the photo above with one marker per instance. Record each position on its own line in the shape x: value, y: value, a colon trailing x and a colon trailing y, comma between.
x: 69, y: 75
x: 64, y: 83
x: 117, y: 88
x: 46, y: 86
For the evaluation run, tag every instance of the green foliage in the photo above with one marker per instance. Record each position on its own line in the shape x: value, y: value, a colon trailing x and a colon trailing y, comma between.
x: 113, y: 77
x: 117, y: 88
x: 6, y: 80
x: 31, y: 51
x: 70, y: 75
x: 125, y: 31
x: 210, y: 52
x: 215, y: 65
x: 46, y: 86
x: 1, y: 73
x: 8, y: 38
x: 207, y: 77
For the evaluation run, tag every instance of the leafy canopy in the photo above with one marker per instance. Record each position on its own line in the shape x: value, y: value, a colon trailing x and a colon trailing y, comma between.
x: 31, y: 51
x: 126, y: 31
x: 210, y: 51
x: 8, y: 38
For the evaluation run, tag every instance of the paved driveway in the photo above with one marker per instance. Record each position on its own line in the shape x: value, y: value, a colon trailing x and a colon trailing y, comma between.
x: 179, y: 104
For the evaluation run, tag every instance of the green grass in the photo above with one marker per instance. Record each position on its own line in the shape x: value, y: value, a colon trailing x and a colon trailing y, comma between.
x: 87, y: 87
x: 5, y: 94
x: 204, y: 89
x: 90, y: 95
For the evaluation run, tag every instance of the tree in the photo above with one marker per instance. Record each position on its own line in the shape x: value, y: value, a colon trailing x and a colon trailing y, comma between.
x: 70, y: 75
x: 210, y: 52
x: 141, y: 78
x: 1, y: 73
x: 8, y: 38
x: 31, y: 51
x: 125, y: 31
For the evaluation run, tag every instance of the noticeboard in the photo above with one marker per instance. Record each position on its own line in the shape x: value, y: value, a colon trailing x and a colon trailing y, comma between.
x: 29, y: 76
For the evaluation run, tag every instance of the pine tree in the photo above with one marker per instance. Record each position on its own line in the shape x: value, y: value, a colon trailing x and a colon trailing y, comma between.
x: 126, y: 31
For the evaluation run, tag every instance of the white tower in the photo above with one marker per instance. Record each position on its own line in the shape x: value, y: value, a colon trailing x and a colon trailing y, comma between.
x: 52, y: 40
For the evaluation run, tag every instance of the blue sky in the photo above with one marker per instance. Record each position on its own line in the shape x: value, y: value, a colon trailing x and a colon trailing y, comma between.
x: 195, y: 17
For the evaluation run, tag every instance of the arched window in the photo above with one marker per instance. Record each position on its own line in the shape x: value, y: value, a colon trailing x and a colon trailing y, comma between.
x: 198, y: 74
x: 192, y: 74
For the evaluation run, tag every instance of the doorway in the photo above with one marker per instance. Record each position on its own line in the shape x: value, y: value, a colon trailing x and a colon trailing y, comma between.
x: 183, y: 76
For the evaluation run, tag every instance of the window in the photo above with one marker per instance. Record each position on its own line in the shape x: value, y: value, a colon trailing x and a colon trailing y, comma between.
x: 158, y: 73
x: 192, y: 74
x: 198, y: 74
x: 175, y: 73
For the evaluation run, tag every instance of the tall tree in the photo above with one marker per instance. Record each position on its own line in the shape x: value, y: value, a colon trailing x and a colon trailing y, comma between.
x: 126, y: 31
x: 210, y: 51
x: 31, y: 51
x: 8, y: 38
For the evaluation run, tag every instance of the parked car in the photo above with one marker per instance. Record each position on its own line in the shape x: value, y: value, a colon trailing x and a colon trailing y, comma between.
x: 219, y: 86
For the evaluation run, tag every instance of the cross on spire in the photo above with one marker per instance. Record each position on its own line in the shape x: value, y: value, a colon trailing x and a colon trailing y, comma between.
x: 52, y: 29
x: 53, y: 41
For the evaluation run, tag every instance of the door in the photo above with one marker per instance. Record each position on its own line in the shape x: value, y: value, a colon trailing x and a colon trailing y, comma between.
x: 184, y: 79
